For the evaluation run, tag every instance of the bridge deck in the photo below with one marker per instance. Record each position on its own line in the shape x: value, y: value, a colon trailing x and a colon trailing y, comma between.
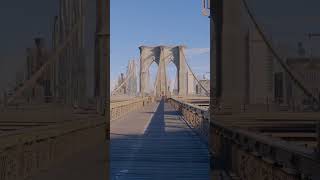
x: 154, y: 143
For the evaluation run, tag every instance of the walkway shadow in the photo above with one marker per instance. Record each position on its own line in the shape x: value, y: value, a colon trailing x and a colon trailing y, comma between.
x: 164, y: 151
x: 172, y: 112
x: 157, y: 124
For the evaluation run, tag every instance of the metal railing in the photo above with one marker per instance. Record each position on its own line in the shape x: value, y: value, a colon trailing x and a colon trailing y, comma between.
x: 198, y: 118
x: 249, y: 155
x: 119, y: 109
x: 24, y: 153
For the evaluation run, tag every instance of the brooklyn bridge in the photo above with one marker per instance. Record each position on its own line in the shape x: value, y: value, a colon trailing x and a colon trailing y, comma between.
x: 256, y: 117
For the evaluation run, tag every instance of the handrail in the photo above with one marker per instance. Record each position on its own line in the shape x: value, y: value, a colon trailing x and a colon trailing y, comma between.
x: 119, y: 109
x: 24, y: 153
x: 197, y: 117
x: 227, y: 141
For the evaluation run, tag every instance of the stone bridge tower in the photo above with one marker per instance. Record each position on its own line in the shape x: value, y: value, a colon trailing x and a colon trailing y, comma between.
x: 162, y: 56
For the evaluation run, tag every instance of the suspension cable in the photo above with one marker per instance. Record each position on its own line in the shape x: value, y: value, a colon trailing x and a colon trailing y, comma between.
x: 125, y: 81
x: 207, y: 92
x: 53, y: 57
x: 276, y: 55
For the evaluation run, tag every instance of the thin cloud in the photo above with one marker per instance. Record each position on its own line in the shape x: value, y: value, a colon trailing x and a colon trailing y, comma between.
x: 197, y: 51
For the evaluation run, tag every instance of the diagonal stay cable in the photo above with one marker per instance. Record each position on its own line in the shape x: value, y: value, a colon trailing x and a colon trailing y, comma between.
x: 207, y: 92
x: 276, y: 55
x: 50, y: 61
x: 123, y: 83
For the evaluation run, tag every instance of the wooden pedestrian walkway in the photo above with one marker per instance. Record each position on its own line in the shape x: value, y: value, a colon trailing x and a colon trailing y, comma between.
x: 155, y: 143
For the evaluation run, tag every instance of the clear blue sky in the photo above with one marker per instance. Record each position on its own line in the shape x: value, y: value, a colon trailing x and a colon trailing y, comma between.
x: 152, y: 22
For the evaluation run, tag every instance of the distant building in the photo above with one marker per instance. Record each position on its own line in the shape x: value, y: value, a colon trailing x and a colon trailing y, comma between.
x: 36, y: 58
x: 301, y: 50
x: 121, y: 82
x: 205, y: 83
x: 264, y: 79
x: 69, y: 71
x: 127, y: 83
x: 190, y: 83
x: 260, y: 70
x: 65, y: 78
x: 308, y: 71
x: 269, y: 86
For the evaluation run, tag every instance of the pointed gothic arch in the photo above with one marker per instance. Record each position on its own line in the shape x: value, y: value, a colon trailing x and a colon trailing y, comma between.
x: 163, y: 55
